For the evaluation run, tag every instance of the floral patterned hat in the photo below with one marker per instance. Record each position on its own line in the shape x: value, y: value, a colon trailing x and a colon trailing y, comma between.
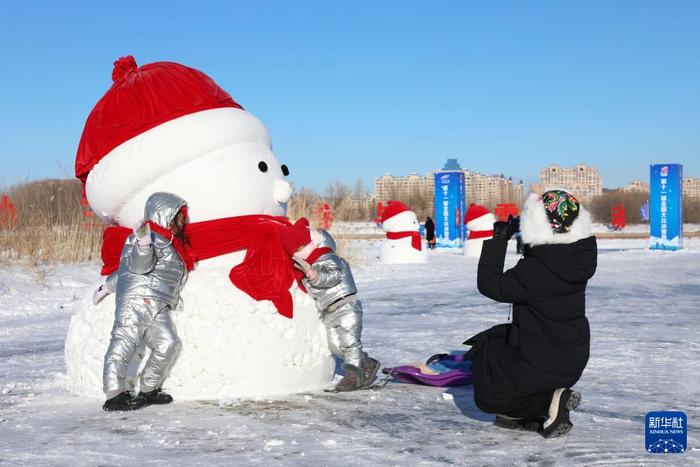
x: 561, y: 208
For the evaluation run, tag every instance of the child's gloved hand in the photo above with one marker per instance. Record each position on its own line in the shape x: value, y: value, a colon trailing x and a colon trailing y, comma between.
x: 309, y: 272
x: 301, y: 264
x: 312, y: 275
x: 100, y: 293
x: 142, y: 232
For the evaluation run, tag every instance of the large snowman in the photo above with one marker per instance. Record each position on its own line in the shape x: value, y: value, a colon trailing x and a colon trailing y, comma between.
x: 403, y: 241
x: 167, y: 127
x: 479, y: 221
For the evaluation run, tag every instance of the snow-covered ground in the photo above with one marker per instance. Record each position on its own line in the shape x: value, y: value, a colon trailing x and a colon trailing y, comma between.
x: 645, y: 356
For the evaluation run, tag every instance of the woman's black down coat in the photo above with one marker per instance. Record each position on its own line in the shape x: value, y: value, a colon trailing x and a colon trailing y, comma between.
x: 547, y: 344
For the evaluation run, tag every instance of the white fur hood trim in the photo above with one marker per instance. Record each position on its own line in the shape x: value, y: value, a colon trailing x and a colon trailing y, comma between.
x: 535, y: 229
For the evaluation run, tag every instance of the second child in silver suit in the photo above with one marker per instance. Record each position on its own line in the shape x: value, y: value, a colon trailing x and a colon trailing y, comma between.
x: 330, y: 283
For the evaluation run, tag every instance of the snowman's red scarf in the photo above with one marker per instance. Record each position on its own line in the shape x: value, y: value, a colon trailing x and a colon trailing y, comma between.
x: 266, y: 272
x: 476, y: 234
x: 415, y: 238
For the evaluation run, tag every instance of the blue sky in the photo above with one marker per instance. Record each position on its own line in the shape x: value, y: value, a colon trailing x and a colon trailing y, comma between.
x: 351, y: 90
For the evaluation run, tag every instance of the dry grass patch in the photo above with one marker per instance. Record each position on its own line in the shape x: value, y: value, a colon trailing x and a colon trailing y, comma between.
x: 50, y: 226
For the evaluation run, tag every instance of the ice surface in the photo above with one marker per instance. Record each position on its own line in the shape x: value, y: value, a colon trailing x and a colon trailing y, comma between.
x: 645, y: 356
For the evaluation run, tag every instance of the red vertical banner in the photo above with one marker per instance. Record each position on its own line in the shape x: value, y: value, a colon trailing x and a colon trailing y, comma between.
x: 88, y: 215
x: 7, y: 212
x: 503, y: 210
x: 323, y: 216
x: 86, y: 207
x: 619, y: 216
x: 380, y: 211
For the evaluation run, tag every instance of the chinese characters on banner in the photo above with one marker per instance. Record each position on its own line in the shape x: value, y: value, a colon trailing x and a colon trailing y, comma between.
x: 666, y: 207
x: 449, y: 206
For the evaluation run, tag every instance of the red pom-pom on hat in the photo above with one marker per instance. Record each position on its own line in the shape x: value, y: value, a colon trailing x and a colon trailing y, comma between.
x: 295, y: 236
x: 392, y: 209
x: 474, y: 212
x: 122, y: 66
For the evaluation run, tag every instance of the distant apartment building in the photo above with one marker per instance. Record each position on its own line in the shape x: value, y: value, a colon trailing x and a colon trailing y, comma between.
x: 404, y: 187
x: 487, y: 190
x: 637, y: 186
x: 490, y: 190
x: 691, y: 187
x: 582, y: 181
x: 360, y: 205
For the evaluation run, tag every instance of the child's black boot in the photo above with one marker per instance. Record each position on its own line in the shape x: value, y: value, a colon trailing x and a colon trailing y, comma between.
x: 157, y: 396
x: 124, y: 401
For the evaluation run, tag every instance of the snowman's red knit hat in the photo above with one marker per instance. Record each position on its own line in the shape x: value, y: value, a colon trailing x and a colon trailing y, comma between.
x: 392, y: 209
x: 140, y: 99
x: 474, y: 212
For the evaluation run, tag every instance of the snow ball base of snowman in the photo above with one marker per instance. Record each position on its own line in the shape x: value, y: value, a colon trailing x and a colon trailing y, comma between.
x: 232, y: 345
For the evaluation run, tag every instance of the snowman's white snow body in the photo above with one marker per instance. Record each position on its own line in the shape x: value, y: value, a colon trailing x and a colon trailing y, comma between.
x: 472, y: 246
x: 400, y: 251
x: 232, y: 345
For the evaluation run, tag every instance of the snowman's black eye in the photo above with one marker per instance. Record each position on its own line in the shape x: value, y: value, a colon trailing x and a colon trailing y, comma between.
x: 285, y: 170
x: 262, y: 166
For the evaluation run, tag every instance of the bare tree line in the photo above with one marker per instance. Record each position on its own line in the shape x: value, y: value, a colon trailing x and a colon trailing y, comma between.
x: 416, y: 200
x: 601, y: 207
x: 50, y: 225
x: 347, y: 203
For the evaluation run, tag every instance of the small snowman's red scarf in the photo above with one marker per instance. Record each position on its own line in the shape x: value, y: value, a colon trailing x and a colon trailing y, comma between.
x: 415, y: 238
x: 476, y: 234
x: 266, y: 272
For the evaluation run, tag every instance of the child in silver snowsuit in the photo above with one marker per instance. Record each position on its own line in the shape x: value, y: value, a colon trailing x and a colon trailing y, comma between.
x: 152, y: 272
x: 328, y: 280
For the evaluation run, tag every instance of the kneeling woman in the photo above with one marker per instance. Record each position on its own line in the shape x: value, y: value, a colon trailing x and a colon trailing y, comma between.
x: 523, y: 371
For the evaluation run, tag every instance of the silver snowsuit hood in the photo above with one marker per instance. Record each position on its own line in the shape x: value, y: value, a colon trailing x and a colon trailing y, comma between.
x: 155, y: 271
x: 335, y: 280
x: 327, y: 240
